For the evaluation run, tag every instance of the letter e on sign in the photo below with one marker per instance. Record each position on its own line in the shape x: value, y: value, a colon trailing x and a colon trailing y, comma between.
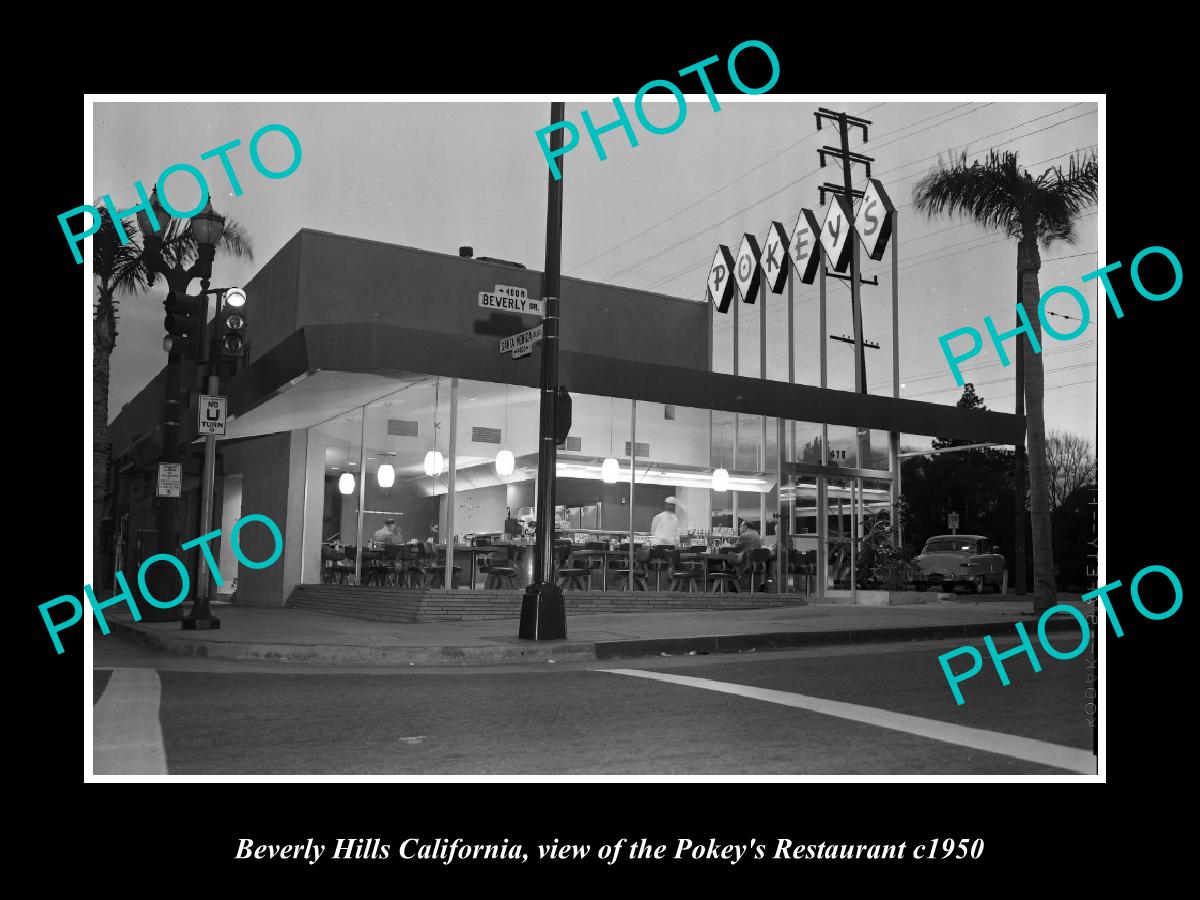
x: 874, y: 220
x: 803, y: 248
x: 774, y: 262
x: 720, y: 279
x: 835, y: 233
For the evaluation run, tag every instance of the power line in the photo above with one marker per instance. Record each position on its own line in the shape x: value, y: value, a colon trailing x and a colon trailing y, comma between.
x: 808, y: 175
x: 692, y: 205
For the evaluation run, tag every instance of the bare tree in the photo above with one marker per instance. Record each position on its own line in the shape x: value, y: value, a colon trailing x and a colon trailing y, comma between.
x: 1071, y: 464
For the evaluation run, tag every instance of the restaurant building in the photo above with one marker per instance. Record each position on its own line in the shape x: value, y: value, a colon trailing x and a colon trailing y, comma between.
x: 368, y: 360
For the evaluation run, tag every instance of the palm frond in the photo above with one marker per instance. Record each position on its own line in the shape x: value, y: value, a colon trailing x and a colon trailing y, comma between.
x: 997, y: 193
x: 987, y: 193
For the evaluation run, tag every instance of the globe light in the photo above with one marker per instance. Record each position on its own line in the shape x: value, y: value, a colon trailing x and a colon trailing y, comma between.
x: 720, y: 479
x: 610, y: 470
x: 504, y: 463
x: 433, y: 463
x: 346, y: 483
x: 386, y: 475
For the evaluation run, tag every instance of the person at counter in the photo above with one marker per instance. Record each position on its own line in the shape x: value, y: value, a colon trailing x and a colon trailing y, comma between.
x: 664, y: 528
x: 388, y: 534
x: 748, y: 539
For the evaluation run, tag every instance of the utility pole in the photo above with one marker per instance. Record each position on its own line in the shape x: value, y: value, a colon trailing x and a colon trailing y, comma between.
x: 543, y: 611
x: 1019, y: 464
x: 847, y: 159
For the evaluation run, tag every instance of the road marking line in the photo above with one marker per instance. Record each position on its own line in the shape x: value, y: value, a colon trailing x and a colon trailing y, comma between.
x: 1028, y: 749
x: 126, y: 735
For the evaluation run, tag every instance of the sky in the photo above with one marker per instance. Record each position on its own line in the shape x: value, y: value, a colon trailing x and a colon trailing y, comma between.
x: 437, y: 175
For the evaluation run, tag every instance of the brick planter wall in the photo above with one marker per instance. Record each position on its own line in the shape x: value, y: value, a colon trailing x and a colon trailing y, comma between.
x: 392, y: 605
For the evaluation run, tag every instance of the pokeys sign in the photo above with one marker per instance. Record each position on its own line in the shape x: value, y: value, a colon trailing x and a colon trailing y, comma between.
x: 801, y: 252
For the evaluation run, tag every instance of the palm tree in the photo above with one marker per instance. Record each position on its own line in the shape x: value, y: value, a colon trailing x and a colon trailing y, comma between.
x: 998, y: 194
x: 124, y: 268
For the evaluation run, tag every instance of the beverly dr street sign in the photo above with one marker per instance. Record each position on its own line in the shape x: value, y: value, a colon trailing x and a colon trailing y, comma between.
x: 521, y: 344
x: 511, y: 299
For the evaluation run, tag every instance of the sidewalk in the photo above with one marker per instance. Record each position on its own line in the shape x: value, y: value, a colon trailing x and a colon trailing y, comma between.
x: 294, y: 635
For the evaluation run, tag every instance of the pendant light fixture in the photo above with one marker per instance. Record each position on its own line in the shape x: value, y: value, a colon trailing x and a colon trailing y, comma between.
x: 610, y: 469
x: 720, y: 476
x: 346, y: 482
x: 434, y: 461
x: 504, y: 459
x: 386, y: 475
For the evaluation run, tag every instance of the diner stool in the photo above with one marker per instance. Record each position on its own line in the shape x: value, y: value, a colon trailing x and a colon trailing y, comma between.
x: 685, y: 576
x: 727, y: 578
x: 660, y: 561
x: 569, y: 577
x: 503, y: 576
x: 595, y: 563
x: 760, y: 562
x: 641, y: 555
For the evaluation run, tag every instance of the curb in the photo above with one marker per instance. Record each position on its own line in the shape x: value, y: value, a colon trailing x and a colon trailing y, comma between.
x: 357, y: 654
x: 369, y: 655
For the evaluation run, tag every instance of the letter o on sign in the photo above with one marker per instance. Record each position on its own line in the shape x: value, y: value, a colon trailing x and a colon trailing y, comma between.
x: 237, y: 548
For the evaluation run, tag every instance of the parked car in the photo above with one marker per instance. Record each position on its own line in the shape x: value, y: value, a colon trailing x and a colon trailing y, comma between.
x: 951, y: 561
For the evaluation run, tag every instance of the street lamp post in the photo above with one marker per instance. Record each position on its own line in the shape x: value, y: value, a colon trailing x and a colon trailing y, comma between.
x: 543, y: 611
x: 207, y: 229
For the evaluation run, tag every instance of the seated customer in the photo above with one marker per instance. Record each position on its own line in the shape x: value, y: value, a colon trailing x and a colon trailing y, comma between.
x: 748, y: 539
x: 388, y: 534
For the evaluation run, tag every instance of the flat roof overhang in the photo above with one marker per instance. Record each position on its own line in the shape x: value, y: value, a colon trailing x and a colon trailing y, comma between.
x: 391, y: 351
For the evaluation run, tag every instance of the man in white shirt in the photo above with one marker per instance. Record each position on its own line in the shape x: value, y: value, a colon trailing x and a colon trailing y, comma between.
x: 664, y: 528
x: 389, y: 533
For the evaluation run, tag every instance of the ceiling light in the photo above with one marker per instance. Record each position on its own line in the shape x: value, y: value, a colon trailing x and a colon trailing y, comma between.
x: 346, y: 483
x: 386, y: 475
x: 610, y: 470
x: 504, y: 463
x: 720, y: 480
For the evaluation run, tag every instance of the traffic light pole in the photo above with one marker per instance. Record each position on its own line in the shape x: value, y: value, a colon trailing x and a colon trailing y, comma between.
x: 543, y: 612
x: 201, y: 617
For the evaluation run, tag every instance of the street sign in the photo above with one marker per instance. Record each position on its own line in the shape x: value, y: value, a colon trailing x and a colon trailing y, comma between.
x: 170, y: 480
x: 500, y: 299
x: 874, y: 220
x: 521, y: 344
x: 746, y: 270
x: 835, y: 233
x: 803, y: 249
x: 212, y: 415
x: 774, y: 258
x: 952, y: 521
x: 720, y: 280
x: 507, y: 290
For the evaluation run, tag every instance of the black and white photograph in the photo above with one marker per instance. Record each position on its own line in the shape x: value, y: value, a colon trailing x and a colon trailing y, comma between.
x: 703, y: 432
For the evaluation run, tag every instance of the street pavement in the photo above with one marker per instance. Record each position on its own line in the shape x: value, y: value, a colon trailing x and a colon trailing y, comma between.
x: 881, y: 708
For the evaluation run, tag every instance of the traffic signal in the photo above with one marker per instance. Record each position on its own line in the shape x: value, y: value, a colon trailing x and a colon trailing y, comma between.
x: 232, y: 341
x: 182, y: 324
x: 564, y: 415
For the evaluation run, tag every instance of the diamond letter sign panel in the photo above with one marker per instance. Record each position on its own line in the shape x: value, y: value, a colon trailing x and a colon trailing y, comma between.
x: 803, y: 249
x: 835, y: 233
x: 746, y: 270
x: 720, y: 278
x: 874, y: 220
x: 774, y: 258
